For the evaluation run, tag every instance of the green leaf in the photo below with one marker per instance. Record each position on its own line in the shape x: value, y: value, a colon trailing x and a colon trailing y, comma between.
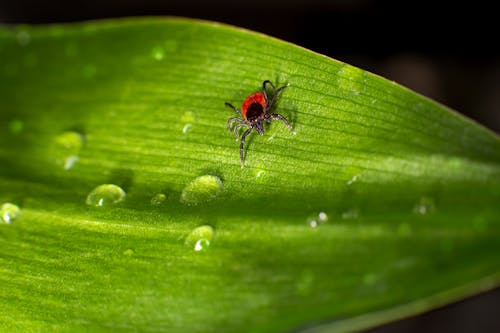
x: 383, y: 204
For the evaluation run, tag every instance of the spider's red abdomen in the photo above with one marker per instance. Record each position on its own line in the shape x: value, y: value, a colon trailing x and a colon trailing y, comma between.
x: 254, y: 106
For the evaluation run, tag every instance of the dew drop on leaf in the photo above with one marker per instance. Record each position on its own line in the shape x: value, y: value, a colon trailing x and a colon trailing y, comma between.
x: 105, y: 195
x: 199, y: 239
x: 10, y: 212
x: 424, y: 206
x: 201, y: 245
x: 158, y: 199
x: 201, y: 189
x: 66, y: 148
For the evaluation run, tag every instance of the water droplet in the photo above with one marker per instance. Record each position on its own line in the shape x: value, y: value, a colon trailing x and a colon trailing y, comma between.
x: 259, y: 172
x: 16, y: 126
x: 424, y: 206
x: 23, y: 37
x: 316, y: 221
x: 128, y: 252
x: 201, y: 189
x: 10, y: 212
x: 105, y: 195
x: 312, y: 222
x: 350, y: 214
x: 186, y: 128
x: 199, y: 239
x: 158, y: 53
x: 67, y: 146
x: 323, y: 217
x: 201, y: 244
x: 353, y: 179
x: 158, y: 199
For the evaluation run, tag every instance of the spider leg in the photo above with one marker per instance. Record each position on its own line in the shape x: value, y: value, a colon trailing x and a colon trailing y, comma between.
x: 238, y: 126
x: 231, y: 121
x: 229, y: 105
x: 264, y: 90
x: 272, y: 116
x: 275, y: 95
x: 242, y: 144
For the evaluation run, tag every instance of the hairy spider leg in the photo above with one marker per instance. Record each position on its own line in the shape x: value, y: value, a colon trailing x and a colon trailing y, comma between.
x: 238, y: 126
x: 231, y: 121
x: 242, y: 145
x: 272, y: 116
x: 229, y: 105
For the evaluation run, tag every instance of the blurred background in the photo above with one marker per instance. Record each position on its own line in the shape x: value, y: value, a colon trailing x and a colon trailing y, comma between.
x: 446, y: 51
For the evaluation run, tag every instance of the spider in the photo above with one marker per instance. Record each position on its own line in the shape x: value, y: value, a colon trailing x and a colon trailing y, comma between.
x: 254, y: 111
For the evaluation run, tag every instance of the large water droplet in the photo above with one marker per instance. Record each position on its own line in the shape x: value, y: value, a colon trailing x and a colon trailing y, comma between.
x: 67, y: 146
x: 158, y: 199
x: 201, y: 189
x: 10, y: 212
x: 199, y: 239
x: 105, y: 195
x: 424, y: 206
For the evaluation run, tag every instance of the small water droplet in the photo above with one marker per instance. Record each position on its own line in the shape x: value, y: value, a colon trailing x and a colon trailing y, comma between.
x: 317, y: 220
x: 350, y: 214
x: 199, y: 239
x: 353, y: 179
x: 259, y: 172
x: 201, y: 189
x: 16, y: 126
x: 323, y: 217
x: 128, y: 252
x: 158, y: 53
x: 158, y: 199
x: 23, y: 37
x: 105, y: 195
x: 186, y: 128
x: 312, y: 222
x: 10, y: 212
x: 424, y: 206
x: 67, y: 146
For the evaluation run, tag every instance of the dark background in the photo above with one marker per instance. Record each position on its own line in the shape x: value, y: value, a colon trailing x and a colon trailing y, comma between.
x: 446, y: 51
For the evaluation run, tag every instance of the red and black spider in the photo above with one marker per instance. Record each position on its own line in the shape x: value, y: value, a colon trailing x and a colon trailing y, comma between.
x: 254, y: 111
